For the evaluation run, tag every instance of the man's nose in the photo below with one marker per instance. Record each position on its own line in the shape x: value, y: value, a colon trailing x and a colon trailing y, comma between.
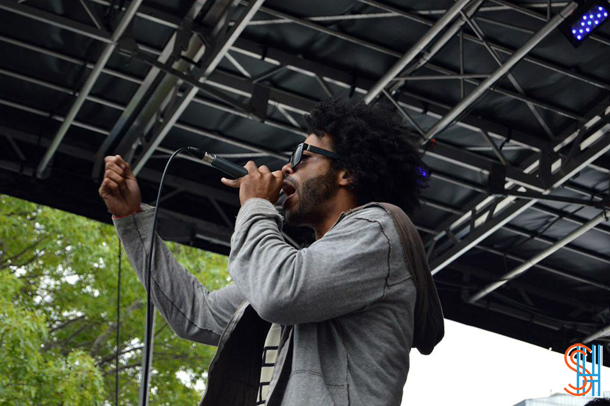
x: 287, y: 169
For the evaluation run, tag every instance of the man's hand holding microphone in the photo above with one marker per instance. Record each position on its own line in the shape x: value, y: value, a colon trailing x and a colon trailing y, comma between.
x: 121, y: 192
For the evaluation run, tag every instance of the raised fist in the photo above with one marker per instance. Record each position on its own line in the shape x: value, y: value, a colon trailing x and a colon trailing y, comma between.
x: 119, y: 188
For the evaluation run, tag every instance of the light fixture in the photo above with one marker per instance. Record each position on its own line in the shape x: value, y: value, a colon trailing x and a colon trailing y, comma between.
x: 587, y: 17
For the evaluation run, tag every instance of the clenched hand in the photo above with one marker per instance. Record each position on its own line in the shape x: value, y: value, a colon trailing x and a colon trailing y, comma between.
x: 119, y: 188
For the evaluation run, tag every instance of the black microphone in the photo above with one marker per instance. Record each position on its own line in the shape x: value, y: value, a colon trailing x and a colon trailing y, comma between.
x: 227, y: 167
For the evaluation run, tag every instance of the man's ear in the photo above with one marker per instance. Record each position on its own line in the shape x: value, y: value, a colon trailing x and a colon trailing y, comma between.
x: 346, y: 178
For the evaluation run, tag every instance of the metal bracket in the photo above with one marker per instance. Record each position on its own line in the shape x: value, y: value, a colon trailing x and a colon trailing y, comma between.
x: 259, y: 101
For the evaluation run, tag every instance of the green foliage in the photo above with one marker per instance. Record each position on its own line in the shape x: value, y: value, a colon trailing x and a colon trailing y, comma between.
x: 58, y: 294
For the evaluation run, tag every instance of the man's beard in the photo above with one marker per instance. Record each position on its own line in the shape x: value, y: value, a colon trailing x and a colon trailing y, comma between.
x: 313, y: 194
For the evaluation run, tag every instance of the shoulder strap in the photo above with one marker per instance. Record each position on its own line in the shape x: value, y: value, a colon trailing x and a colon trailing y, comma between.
x: 429, y: 326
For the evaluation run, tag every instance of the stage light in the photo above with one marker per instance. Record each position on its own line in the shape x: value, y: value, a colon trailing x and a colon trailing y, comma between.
x: 425, y: 174
x: 587, y: 18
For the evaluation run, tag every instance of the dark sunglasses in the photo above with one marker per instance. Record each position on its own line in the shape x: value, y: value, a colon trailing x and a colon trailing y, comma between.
x: 296, y: 156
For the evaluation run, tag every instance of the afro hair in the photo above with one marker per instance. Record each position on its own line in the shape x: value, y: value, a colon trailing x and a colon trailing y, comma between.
x: 372, y: 143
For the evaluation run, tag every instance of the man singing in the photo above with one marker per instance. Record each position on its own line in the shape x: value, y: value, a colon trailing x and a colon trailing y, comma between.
x: 330, y: 324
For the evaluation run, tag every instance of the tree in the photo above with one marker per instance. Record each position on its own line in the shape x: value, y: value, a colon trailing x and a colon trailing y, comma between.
x: 58, y: 293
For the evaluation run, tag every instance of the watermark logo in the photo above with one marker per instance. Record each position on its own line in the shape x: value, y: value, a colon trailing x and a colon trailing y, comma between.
x: 576, y: 359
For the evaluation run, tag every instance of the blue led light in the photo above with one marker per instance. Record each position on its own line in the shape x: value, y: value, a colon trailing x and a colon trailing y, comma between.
x: 588, y: 22
x: 424, y: 174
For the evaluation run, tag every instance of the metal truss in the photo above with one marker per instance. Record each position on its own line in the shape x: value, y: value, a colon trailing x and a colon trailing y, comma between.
x: 93, y: 76
x: 149, y: 14
x: 213, y: 58
x: 419, y: 46
x: 221, y: 235
x: 228, y: 199
x: 528, y: 294
x: 416, y: 17
x: 515, y: 136
x: 483, y: 209
x: 521, y: 269
x: 488, y: 214
x: 529, y: 235
x: 174, y: 22
x: 339, y: 78
x: 182, y: 228
x: 127, y: 126
x: 188, y: 227
x: 505, y: 68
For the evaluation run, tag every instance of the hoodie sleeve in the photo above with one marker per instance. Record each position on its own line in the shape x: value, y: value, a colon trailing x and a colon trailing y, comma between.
x: 191, y: 310
x: 342, y: 272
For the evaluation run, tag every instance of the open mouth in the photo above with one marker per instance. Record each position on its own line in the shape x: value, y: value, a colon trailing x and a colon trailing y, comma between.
x: 288, y: 189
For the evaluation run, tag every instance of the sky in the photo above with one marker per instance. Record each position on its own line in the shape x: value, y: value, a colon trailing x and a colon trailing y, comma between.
x: 486, y: 369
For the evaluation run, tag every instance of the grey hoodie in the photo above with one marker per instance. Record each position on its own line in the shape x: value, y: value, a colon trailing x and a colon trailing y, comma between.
x: 348, y: 301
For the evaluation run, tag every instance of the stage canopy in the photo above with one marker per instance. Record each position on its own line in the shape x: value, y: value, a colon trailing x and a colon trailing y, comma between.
x: 513, y: 118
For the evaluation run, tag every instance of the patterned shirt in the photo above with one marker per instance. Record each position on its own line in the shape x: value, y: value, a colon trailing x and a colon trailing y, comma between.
x: 270, y: 351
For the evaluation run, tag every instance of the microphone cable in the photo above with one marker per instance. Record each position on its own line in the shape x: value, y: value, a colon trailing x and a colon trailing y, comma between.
x: 219, y: 163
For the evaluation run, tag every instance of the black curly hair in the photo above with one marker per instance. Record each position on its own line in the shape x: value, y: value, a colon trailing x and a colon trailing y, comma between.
x: 372, y: 144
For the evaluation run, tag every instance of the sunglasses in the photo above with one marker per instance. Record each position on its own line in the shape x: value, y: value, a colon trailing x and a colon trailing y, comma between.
x: 297, y: 155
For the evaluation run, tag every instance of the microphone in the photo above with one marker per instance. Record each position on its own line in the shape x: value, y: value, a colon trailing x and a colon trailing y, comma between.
x: 227, y: 167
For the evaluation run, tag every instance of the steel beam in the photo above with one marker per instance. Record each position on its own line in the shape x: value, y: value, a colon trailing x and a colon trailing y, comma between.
x: 463, y: 159
x: 546, y: 268
x: 478, y: 163
x: 57, y: 21
x: 145, y: 103
x: 468, y: 270
x: 232, y: 83
x: 219, y: 235
x: 605, y: 332
x: 171, y: 21
x: 211, y: 62
x: 339, y: 78
x: 84, y: 92
x: 507, y: 51
x: 525, y: 233
x: 500, y: 72
x: 476, y: 188
x: 537, y: 258
x: 484, y: 226
x: 407, y: 100
x: 146, y: 13
x: 449, y: 34
x: 479, y: 33
x: 227, y: 198
x: 592, y: 122
x: 416, y: 49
